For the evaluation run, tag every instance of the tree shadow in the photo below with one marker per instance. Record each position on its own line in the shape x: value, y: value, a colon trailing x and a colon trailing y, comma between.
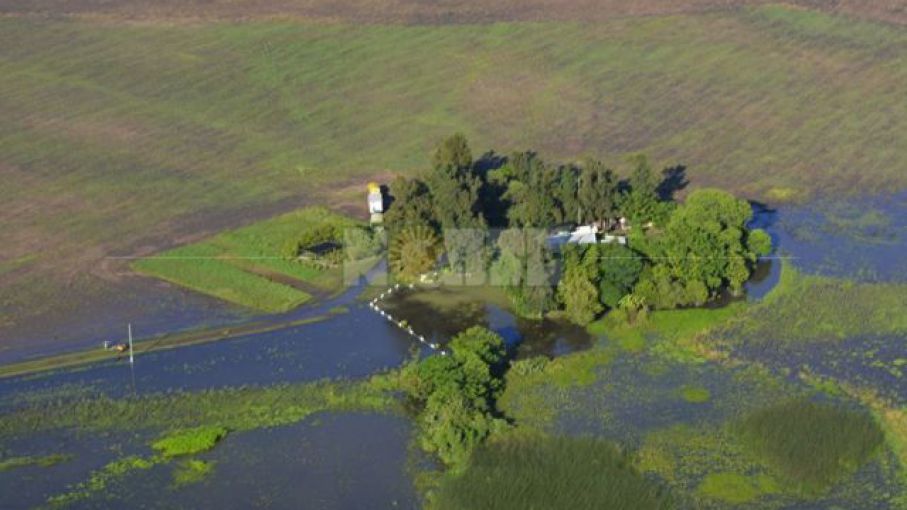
x: 492, y: 194
x: 673, y: 179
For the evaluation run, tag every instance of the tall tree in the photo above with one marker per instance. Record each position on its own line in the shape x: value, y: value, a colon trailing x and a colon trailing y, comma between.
x: 641, y: 203
x: 525, y: 269
x: 619, y: 268
x: 578, y: 289
x: 453, y: 152
x: 705, y: 242
x: 566, y: 193
x: 597, y: 193
x: 454, y: 186
x: 412, y: 205
x: 532, y: 192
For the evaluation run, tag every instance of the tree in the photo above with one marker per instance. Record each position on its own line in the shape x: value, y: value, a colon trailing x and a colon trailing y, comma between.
x: 414, y: 251
x: 641, y: 203
x: 532, y: 191
x: 620, y: 268
x: 454, y: 186
x: 412, y: 205
x: 577, y: 289
x: 705, y: 244
x: 525, y: 269
x: 468, y: 254
x: 633, y: 306
x: 453, y: 152
x: 759, y: 242
x: 597, y: 193
x: 566, y: 194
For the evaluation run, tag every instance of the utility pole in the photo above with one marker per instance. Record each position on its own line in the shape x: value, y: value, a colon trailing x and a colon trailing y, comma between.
x: 131, y: 358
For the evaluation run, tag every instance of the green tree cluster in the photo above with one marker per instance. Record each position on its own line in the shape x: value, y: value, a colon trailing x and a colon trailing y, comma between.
x: 525, y: 268
x: 705, y: 248
x: 456, y: 395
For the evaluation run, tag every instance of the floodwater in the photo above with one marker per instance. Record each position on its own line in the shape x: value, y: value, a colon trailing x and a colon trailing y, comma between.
x: 357, y: 460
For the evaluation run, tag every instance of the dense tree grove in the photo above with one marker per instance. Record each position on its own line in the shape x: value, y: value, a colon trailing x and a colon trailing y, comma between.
x: 678, y: 254
x: 455, y: 394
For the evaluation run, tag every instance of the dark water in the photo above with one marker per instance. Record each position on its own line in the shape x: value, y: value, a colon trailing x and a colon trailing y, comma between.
x: 323, y: 462
x: 439, y: 323
x: 29, y: 487
x: 859, y: 238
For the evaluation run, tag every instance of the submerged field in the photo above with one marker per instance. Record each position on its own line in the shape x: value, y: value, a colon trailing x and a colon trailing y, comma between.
x: 674, y: 412
x: 124, y: 139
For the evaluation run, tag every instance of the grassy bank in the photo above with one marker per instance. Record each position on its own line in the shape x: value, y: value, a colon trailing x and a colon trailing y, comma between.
x: 253, y: 266
x: 171, y: 341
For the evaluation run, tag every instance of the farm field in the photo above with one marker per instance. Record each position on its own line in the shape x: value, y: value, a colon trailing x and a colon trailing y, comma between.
x: 250, y: 266
x: 632, y: 255
x: 125, y: 139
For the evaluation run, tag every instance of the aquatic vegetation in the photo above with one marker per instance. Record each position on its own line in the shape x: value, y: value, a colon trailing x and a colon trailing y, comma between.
x: 672, y: 334
x: 99, y: 480
x: 735, y: 488
x: 810, y: 445
x: 695, y: 394
x: 191, y: 471
x: 805, y: 308
x: 235, y: 409
x: 189, y: 441
x: 43, y: 461
x: 523, y: 470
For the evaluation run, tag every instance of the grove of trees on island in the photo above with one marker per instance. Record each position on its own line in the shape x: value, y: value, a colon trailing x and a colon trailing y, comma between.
x: 490, y: 219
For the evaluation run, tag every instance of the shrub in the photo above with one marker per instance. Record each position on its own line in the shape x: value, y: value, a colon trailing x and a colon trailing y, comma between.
x: 189, y: 441
x: 811, y: 445
x: 521, y: 471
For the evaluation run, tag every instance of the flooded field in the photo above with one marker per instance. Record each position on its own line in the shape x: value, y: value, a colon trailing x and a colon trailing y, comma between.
x: 647, y: 401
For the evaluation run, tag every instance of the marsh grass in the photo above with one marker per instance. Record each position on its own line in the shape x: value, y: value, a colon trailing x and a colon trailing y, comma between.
x: 235, y: 409
x: 807, y: 308
x: 189, y: 441
x: 531, y: 471
x: 42, y: 461
x: 811, y: 446
x: 191, y: 471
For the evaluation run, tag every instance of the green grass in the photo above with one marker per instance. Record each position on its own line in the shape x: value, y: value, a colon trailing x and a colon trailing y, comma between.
x: 189, y: 441
x: 539, y: 472
x: 45, y: 461
x: 674, y: 334
x: 235, y: 409
x: 810, y: 446
x: 238, y: 265
x: 695, y: 394
x: 804, y: 308
x: 100, y: 479
x: 191, y: 471
x: 735, y: 488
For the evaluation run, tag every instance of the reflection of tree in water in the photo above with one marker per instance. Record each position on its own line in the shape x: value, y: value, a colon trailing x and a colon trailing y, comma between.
x: 436, y: 322
x: 441, y: 322
x: 551, y: 338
